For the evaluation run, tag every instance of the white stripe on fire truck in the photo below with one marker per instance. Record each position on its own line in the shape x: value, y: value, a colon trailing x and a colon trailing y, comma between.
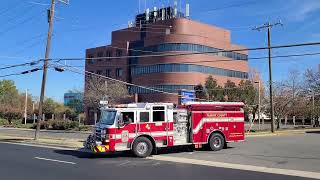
x: 153, y: 134
x: 211, y: 120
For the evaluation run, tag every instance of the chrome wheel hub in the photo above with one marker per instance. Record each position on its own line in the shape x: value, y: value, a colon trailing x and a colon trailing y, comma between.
x: 142, y: 147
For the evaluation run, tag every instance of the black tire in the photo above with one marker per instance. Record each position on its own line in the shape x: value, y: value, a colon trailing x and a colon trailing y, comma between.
x: 142, y: 147
x: 216, y: 142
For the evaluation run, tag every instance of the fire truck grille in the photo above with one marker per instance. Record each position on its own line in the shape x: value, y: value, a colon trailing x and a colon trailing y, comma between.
x: 98, y: 134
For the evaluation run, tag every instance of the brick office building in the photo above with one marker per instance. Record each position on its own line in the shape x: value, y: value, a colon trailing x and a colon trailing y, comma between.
x: 166, y: 31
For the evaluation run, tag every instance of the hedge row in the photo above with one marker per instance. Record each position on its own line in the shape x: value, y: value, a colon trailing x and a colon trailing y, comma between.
x: 57, y: 125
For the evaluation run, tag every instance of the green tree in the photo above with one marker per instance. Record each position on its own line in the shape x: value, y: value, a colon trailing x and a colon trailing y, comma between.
x: 200, y: 92
x: 49, y: 107
x: 247, y: 93
x: 231, y: 91
x: 214, y: 91
x: 9, y: 94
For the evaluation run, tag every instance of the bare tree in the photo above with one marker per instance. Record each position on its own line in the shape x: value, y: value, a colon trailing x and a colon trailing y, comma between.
x: 282, y: 98
x: 98, y: 89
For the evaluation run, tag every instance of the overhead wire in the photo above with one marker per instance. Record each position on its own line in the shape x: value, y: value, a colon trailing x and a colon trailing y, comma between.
x: 88, y: 73
x: 18, y: 24
x: 20, y: 65
x: 11, y: 7
x: 194, y: 53
x: 216, y: 60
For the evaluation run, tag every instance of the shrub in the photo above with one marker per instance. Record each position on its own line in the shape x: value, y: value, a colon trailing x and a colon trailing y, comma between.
x: 10, y: 113
x: 63, y: 124
x: 43, y: 125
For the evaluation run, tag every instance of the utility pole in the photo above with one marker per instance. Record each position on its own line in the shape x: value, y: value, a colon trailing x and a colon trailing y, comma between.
x: 25, y: 108
x: 269, y: 26
x: 313, y: 115
x: 45, y: 64
x: 259, y: 102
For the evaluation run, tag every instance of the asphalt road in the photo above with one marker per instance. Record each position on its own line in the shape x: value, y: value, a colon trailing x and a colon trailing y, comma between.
x: 23, y: 162
x: 297, y: 152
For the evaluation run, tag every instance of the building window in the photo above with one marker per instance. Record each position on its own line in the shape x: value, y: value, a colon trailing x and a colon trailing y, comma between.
x: 118, y: 52
x: 195, y: 48
x: 99, y: 72
x: 108, y: 72
x: 90, y: 60
x: 158, y: 114
x: 167, y: 88
x: 119, y: 72
x: 144, y: 117
x: 162, y: 68
x: 109, y: 53
x: 100, y: 54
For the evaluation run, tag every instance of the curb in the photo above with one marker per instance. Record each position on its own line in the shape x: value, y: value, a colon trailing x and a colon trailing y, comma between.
x: 279, y: 133
x: 50, y: 131
x: 67, y: 143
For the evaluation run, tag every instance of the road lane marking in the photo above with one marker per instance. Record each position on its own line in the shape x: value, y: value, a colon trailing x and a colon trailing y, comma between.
x: 37, y: 145
x: 124, y: 163
x: 54, y: 160
x: 287, y: 172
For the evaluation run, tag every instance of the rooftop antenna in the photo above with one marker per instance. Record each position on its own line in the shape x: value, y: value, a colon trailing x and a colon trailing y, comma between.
x: 145, y: 4
x: 175, y: 8
x: 187, y: 10
x: 139, y: 6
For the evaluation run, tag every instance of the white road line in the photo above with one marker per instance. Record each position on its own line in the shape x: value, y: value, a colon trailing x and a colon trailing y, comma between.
x: 287, y: 172
x: 124, y: 163
x: 54, y: 160
x: 37, y: 145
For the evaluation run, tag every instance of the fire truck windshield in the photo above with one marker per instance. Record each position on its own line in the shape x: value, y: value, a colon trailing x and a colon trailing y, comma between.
x: 107, y: 117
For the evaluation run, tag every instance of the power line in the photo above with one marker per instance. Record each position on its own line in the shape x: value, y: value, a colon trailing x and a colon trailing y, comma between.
x: 21, y: 73
x: 19, y: 65
x: 88, y: 73
x: 218, y: 60
x: 194, y: 53
x: 18, y: 24
x: 230, y: 6
x: 18, y: 16
x: 11, y: 7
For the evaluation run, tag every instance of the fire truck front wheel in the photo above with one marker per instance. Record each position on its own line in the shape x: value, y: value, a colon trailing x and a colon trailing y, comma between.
x: 216, y: 142
x: 142, y: 147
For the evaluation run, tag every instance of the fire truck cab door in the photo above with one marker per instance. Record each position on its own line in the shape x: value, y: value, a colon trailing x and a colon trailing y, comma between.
x: 143, y: 122
x: 128, y: 126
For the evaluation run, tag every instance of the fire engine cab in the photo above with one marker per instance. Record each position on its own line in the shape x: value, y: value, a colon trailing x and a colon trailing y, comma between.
x: 144, y: 127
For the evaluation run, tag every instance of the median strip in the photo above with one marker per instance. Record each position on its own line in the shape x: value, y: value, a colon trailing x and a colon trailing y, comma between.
x: 54, y: 160
x: 287, y: 172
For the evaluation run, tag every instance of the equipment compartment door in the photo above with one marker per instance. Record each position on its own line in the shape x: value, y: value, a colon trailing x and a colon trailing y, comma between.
x: 198, y: 127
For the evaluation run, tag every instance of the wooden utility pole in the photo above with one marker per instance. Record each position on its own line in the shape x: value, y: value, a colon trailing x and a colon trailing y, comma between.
x: 269, y: 26
x: 45, y: 64
x: 45, y: 68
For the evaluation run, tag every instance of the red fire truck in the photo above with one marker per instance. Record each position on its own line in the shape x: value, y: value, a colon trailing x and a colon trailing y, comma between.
x: 145, y: 127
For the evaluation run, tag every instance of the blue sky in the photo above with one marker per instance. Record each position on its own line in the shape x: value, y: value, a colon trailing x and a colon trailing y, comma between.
x: 85, y: 24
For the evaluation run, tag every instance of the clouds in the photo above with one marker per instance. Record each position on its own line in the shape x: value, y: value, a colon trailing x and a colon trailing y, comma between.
x: 302, y: 10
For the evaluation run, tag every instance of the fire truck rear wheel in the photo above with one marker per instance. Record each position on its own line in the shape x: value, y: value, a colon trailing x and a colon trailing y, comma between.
x: 216, y: 142
x: 142, y: 147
